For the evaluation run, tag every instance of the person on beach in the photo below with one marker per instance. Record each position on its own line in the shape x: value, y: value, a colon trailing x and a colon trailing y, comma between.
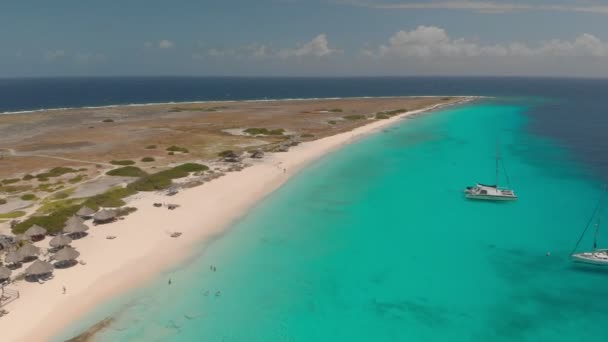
x: 64, y: 289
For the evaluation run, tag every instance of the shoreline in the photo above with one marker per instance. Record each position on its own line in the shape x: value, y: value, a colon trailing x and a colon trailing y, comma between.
x: 41, y: 110
x: 108, y: 274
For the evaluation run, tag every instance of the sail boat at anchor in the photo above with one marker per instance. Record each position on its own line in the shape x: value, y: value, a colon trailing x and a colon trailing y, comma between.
x: 491, y: 192
x: 597, y: 257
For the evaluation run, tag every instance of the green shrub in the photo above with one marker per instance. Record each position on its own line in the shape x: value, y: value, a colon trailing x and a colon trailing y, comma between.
x: 171, y: 153
x: 76, y: 179
x: 122, y: 162
x: 354, y: 117
x: 55, y: 172
x: 163, y: 179
x: 307, y: 135
x: 2, y: 201
x: 82, y: 169
x: 381, y: 116
x: 12, y: 215
x: 332, y: 122
x: 29, y: 197
x: 147, y: 159
x: 10, y: 181
x: 225, y: 153
x: 53, y: 222
x: 150, y: 147
x: 107, y: 120
x: 336, y: 110
x: 177, y: 149
x: 61, y: 195
x: 127, y: 171
x: 28, y: 177
x: 264, y: 131
x: 42, y: 179
x: 112, y: 198
x: 120, y: 212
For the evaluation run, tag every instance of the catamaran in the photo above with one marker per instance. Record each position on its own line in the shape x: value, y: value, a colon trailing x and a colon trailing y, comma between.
x: 491, y: 192
x: 597, y: 257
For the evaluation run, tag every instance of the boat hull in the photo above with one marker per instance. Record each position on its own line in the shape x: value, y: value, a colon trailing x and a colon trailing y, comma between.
x: 490, y: 197
x: 589, y: 259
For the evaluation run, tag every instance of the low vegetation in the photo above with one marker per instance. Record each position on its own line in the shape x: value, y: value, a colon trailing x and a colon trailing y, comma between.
x: 52, y: 206
x: 55, y: 172
x: 354, y: 117
x: 12, y: 215
x: 53, y: 222
x: 127, y: 171
x: 336, y: 110
x: 307, y: 135
x: 147, y: 159
x: 226, y: 153
x: 122, y: 162
x: 107, y: 120
x: 13, y: 189
x: 112, y: 198
x: 163, y: 179
x: 29, y: 197
x: 76, y: 179
x: 177, y: 149
x: 28, y: 177
x: 2, y: 201
x: 124, y: 211
x: 264, y: 131
x: 380, y: 116
x: 332, y: 122
x: 390, y: 113
x: 150, y: 147
x: 10, y: 181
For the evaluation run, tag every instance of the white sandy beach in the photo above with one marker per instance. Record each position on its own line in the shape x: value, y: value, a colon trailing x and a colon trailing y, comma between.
x: 207, y: 210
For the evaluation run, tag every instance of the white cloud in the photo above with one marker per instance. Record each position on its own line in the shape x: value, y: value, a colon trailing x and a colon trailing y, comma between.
x: 162, y: 44
x: 431, y: 41
x: 54, y: 55
x: 482, y: 6
x: 165, y: 44
x: 317, y: 47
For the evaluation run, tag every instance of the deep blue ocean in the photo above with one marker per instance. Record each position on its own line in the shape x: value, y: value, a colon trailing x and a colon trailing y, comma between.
x: 375, y: 242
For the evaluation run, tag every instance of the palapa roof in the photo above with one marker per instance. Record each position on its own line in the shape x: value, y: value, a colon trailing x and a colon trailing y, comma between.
x: 104, y: 215
x: 5, y: 273
x: 35, y: 230
x: 60, y: 241
x: 85, y: 211
x: 39, y: 267
x: 75, y: 225
x: 29, y: 250
x: 13, y: 257
x: 66, y: 254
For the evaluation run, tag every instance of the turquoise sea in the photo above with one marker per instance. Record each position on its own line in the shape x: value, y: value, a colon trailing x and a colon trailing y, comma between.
x: 376, y: 242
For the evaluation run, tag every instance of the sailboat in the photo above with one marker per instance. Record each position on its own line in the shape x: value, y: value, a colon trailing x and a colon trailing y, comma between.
x: 597, y: 257
x: 491, y: 192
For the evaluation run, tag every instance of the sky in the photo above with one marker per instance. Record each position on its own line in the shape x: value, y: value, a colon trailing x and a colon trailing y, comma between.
x: 303, y: 38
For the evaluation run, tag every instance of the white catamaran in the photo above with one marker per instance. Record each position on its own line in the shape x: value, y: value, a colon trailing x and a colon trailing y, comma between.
x: 597, y: 257
x: 491, y: 192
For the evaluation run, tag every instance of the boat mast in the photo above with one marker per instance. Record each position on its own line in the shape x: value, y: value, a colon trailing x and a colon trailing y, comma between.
x: 497, y: 161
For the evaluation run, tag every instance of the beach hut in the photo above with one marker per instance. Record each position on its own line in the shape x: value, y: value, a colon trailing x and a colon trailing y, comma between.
x: 85, y: 213
x: 75, y: 227
x: 66, y: 257
x: 104, y: 216
x: 13, y: 257
x: 35, y: 233
x: 39, y: 269
x: 29, y: 252
x: 60, y: 241
x: 5, y: 274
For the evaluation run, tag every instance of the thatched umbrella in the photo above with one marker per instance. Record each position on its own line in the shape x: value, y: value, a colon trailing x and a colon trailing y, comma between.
x: 35, y: 232
x: 67, y: 254
x: 13, y: 257
x: 29, y: 252
x: 85, y: 212
x: 75, y: 226
x: 5, y: 273
x: 20, y: 237
x: 39, y: 268
x: 104, y: 216
x: 60, y: 241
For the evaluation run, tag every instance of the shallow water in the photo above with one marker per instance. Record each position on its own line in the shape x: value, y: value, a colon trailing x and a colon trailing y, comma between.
x: 376, y: 242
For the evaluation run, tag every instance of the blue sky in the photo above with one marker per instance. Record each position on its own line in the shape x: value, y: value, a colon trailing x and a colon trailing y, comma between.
x: 304, y: 37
